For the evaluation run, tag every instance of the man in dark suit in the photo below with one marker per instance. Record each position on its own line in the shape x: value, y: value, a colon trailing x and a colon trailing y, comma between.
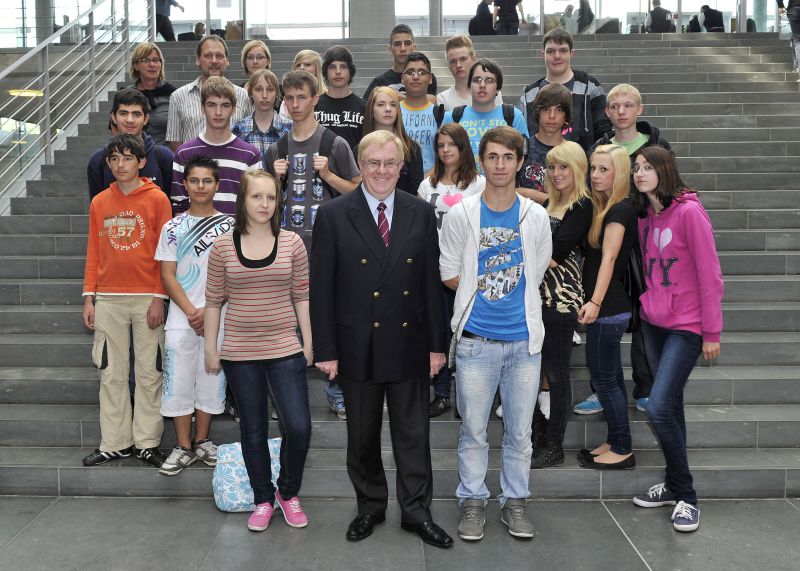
x: 378, y: 322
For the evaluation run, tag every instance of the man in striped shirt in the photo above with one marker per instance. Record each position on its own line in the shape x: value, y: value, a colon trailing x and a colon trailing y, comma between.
x: 186, y: 120
x: 234, y: 156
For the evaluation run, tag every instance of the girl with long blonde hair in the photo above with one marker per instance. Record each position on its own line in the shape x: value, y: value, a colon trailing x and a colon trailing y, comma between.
x: 607, y: 308
x: 570, y: 212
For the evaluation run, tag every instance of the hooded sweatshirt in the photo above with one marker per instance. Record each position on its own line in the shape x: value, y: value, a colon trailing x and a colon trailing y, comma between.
x: 158, y: 167
x: 654, y: 139
x: 123, y: 234
x: 682, y: 273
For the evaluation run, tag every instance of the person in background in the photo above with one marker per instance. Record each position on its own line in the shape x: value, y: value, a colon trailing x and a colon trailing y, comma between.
x: 676, y: 237
x: 792, y: 13
x: 568, y: 20
x: 261, y: 271
x: 163, y: 23
x: 454, y: 178
x: 199, y: 30
x: 481, y: 23
x: 659, y: 20
x: 711, y: 19
x: 505, y: 19
x: 147, y: 73
x: 383, y: 113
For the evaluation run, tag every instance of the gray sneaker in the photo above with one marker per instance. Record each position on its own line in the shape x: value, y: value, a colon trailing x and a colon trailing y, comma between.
x: 515, y: 516
x: 177, y: 460
x: 206, y: 451
x: 473, y: 519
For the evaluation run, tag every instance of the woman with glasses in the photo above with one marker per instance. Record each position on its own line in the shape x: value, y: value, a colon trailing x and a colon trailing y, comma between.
x: 681, y: 316
x: 147, y: 73
x: 255, y: 56
x: 383, y: 114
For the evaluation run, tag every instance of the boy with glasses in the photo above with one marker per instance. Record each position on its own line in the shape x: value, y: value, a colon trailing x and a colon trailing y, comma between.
x: 417, y: 113
x: 485, y: 80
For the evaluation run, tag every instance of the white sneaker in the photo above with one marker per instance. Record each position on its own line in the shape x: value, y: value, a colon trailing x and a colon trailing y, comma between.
x: 576, y: 339
x: 177, y: 460
x: 499, y: 411
x: 544, y: 403
x: 206, y: 451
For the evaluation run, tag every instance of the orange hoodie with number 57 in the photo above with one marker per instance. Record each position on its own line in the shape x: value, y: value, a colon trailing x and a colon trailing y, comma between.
x: 123, y: 234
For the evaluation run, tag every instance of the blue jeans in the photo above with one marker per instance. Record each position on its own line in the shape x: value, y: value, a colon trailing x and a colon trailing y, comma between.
x: 482, y: 367
x: 672, y: 355
x: 604, y: 359
x: 252, y: 383
x: 443, y: 380
x: 333, y: 390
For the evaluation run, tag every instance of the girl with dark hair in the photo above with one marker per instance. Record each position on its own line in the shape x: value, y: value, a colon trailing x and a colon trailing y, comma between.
x: 607, y: 306
x: 454, y: 178
x: 261, y: 271
x: 681, y: 316
x: 383, y: 112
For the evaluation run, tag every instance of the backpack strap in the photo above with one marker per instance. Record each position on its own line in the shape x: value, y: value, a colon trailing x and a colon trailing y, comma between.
x: 438, y: 114
x: 283, y: 152
x: 325, y: 150
x: 508, y: 114
x: 458, y: 113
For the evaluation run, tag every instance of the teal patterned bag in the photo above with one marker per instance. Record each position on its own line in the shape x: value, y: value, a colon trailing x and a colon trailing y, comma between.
x: 231, y: 485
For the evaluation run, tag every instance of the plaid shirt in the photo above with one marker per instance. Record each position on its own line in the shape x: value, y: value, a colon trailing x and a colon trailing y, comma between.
x: 248, y: 131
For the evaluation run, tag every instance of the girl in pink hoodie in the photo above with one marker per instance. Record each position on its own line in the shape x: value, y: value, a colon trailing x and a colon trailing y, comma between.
x: 681, y: 316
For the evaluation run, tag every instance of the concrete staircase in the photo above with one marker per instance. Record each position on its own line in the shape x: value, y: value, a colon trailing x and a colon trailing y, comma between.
x: 729, y: 105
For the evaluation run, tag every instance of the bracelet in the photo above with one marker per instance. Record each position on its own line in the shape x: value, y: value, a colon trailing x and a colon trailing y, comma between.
x: 593, y: 302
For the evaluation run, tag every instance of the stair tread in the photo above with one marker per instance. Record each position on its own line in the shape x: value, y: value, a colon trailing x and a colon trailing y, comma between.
x: 442, y: 459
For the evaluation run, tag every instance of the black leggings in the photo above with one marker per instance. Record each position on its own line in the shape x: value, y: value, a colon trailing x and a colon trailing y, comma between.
x: 556, y: 354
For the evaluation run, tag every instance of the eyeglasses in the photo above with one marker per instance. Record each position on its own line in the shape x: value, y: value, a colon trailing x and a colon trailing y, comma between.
x: 646, y: 167
x: 258, y: 57
x: 482, y: 80
x: 155, y: 60
x: 416, y: 72
x: 373, y: 165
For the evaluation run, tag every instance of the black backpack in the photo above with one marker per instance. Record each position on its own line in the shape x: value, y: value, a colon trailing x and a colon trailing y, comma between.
x: 458, y: 112
x: 325, y: 148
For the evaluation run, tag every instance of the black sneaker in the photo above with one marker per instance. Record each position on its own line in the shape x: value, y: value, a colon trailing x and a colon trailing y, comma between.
x: 152, y: 456
x: 549, y: 455
x: 438, y: 405
x: 99, y: 457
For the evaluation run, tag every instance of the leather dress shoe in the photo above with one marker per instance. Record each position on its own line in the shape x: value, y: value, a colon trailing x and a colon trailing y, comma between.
x: 430, y: 533
x: 361, y: 527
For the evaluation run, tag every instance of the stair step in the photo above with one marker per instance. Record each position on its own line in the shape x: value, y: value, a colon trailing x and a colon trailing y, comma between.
x: 759, y: 263
x: 723, y: 473
x: 762, y: 288
x: 787, y: 218
x: 43, y: 245
x: 757, y: 240
x: 33, y: 267
x: 44, y: 224
x: 708, y: 426
x: 720, y: 385
x: 35, y: 291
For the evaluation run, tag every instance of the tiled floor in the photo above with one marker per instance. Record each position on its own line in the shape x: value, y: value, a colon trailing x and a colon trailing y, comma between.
x: 148, y: 533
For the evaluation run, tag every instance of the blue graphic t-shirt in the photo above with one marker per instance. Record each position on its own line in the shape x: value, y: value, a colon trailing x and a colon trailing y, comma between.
x: 499, y: 309
x: 420, y: 125
x: 477, y: 123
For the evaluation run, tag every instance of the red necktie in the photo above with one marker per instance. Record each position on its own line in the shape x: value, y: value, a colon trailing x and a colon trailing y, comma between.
x: 383, y: 224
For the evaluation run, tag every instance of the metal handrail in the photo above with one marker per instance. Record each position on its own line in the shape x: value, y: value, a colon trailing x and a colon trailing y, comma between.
x: 61, y: 103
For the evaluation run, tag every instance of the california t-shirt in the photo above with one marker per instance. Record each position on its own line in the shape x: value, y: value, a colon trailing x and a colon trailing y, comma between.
x: 499, y: 308
x: 187, y: 240
x: 420, y: 125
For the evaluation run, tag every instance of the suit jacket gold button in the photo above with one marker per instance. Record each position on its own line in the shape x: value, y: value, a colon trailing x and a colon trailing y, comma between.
x: 409, y: 260
x: 405, y: 324
x: 376, y: 294
x: 363, y: 261
x: 376, y: 324
x: 406, y: 292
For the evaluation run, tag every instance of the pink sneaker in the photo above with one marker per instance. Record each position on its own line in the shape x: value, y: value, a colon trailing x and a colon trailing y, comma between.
x: 292, y: 511
x: 259, y: 519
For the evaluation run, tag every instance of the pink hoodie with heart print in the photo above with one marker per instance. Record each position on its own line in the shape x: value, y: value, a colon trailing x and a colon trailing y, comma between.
x: 684, y: 280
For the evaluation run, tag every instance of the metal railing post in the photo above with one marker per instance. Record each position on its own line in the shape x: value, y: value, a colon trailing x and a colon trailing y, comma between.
x: 92, y: 71
x: 151, y: 21
x: 343, y: 21
x: 113, y: 21
x: 126, y: 34
x: 48, y: 136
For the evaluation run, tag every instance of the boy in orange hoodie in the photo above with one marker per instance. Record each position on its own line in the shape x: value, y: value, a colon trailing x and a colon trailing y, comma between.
x: 122, y: 291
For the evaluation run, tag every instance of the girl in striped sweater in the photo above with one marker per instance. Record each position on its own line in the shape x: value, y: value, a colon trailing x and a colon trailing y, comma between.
x: 261, y: 271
